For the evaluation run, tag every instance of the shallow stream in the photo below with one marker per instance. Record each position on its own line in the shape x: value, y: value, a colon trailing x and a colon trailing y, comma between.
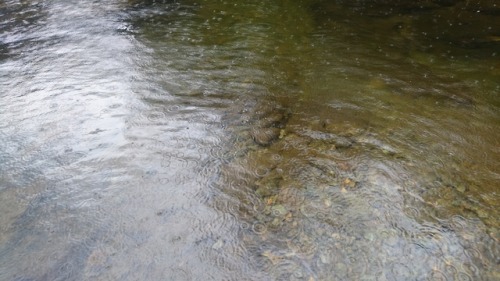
x: 249, y: 140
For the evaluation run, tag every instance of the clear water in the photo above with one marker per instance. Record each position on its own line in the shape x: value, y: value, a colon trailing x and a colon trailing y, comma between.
x: 240, y: 140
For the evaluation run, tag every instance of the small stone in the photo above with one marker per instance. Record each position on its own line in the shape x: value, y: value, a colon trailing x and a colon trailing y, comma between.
x: 271, y: 200
x: 264, y: 191
x: 370, y: 237
x: 282, y: 133
x: 279, y: 210
x: 273, y: 258
x: 276, y: 222
x: 327, y: 202
x: 336, y: 236
x: 341, y: 269
x: 349, y: 183
x: 482, y: 214
x: 324, y: 258
x: 265, y: 136
x: 217, y: 245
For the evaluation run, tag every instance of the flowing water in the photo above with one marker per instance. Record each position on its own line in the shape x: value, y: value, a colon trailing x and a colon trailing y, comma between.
x: 249, y: 140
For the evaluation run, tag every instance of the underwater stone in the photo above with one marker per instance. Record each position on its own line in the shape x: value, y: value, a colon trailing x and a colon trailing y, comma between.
x: 265, y: 136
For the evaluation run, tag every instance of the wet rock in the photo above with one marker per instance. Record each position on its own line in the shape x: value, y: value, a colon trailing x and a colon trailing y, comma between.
x: 265, y: 136
x: 324, y: 258
x: 482, y: 213
x: 264, y: 191
x: 291, y: 196
x: 327, y: 202
x: 271, y: 200
x: 273, y: 120
x: 350, y: 183
x: 292, y: 140
x: 218, y: 244
x: 279, y: 210
x: 461, y: 188
x: 338, y: 141
x: 272, y: 257
x: 327, y: 167
x: 269, y: 125
x: 282, y: 134
x: 341, y: 269
x: 374, y: 143
x: 344, y: 129
x: 268, y: 185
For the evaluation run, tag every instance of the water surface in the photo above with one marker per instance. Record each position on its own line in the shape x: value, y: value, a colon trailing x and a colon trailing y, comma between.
x: 212, y: 140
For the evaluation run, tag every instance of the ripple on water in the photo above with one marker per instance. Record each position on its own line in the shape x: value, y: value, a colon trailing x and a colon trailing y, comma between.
x: 180, y: 273
x: 400, y: 271
x: 289, y: 231
x: 176, y: 160
x: 173, y: 90
x: 439, y: 276
x: 303, y: 245
x: 276, y: 157
x: 284, y: 268
x: 259, y: 228
x: 463, y: 276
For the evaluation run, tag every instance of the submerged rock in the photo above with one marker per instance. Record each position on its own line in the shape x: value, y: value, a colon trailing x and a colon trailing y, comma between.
x: 265, y: 136
x: 338, y: 141
x: 269, y: 125
x: 274, y: 119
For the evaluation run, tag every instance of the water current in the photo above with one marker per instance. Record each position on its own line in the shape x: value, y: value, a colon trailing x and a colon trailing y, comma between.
x: 249, y: 140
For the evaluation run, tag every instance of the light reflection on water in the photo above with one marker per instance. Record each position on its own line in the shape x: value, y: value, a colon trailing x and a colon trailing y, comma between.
x: 282, y: 141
